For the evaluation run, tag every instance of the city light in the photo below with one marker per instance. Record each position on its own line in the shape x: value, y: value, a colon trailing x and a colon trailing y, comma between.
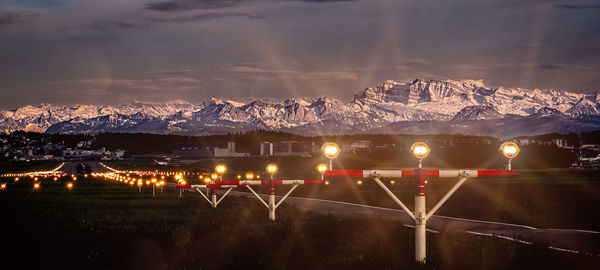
x: 420, y: 150
x: 272, y: 169
x: 220, y: 169
x: 510, y: 150
x: 331, y: 150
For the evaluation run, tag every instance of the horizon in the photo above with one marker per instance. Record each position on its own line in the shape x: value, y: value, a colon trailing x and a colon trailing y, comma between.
x: 233, y: 98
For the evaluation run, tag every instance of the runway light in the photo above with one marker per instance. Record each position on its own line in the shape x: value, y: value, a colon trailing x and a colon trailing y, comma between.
x: 3, y: 186
x: 359, y: 182
x: 510, y: 150
x: 239, y: 176
x: 420, y: 150
x: 35, y: 179
x: 392, y: 182
x: 213, y: 176
x: 154, y: 180
x: 162, y: 183
x: 55, y: 178
x: 322, y: 168
x: 272, y: 169
x: 220, y: 169
x: 36, y: 186
x: 249, y: 176
x: 69, y: 185
x: 16, y: 179
x: 327, y: 183
x: 147, y: 182
x: 330, y: 150
x: 206, y: 180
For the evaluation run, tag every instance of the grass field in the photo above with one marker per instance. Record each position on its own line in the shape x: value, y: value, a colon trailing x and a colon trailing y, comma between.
x: 100, y: 225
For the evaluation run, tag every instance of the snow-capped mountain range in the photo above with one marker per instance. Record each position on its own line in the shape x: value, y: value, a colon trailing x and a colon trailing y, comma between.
x: 418, y: 106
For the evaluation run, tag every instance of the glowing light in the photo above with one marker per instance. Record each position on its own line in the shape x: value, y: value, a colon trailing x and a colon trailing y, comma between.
x: 16, y: 179
x: 392, y: 182
x: 359, y: 182
x: 327, y: 183
x: 510, y: 150
x: 272, y: 169
x: 322, y: 168
x: 207, y: 180
x: 69, y: 185
x: 162, y: 183
x: 36, y: 186
x: 420, y: 150
x: 55, y: 178
x: 3, y: 186
x: 239, y: 176
x: 35, y: 179
x: 153, y: 180
x: 220, y: 169
x: 331, y: 150
x: 213, y: 176
x: 249, y: 176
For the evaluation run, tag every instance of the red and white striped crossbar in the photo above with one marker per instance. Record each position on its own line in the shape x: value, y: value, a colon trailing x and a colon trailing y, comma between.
x: 277, y: 182
x: 410, y: 173
x: 242, y: 183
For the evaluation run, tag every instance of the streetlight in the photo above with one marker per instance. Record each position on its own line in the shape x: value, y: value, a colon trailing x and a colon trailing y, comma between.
x: 220, y: 170
x: 331, y: 150
x: 322, y: 168
x: 510, y: 150
x: 272, y: 169
x: 420, y: 150
x: 153, y: 186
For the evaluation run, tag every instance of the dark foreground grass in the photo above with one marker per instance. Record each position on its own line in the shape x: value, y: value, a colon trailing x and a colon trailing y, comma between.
x: 100, y: 225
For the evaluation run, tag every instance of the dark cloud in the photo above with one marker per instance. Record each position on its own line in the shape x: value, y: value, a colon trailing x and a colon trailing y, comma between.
x: 19, y: 17
x: 203, y: 17
x: 325, y: 1
x: 577, y: 6
x: 181, y: 5
x: 551, y: 66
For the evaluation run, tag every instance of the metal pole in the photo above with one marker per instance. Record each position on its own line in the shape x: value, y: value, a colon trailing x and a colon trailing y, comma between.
x: 509, y: 165
x: 330, y: 164
x: 420, y: 217
x: 153, y: 192
x: 272, y: 200
x: 214, y: 195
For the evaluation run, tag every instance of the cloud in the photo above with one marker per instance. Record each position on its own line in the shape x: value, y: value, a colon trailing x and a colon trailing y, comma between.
x: 202, y: 17
x: 20, y: 17
x: 577, y: 6
x: 260, y: 73
x: 325, y: 1
x: 182, y: 5
x: 141, y: 84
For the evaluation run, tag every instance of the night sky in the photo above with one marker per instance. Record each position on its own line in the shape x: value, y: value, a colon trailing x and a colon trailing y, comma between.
x: 117, y: 51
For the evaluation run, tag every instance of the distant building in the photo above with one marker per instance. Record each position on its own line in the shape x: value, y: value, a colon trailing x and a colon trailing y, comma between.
x: 206, y: 150
x: 289, y: 148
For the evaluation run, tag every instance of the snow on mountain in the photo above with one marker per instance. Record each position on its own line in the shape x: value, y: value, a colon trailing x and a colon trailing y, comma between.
x: 390, y: 104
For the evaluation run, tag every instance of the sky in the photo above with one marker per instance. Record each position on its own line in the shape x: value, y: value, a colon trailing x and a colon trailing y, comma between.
x: 110, y: 52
